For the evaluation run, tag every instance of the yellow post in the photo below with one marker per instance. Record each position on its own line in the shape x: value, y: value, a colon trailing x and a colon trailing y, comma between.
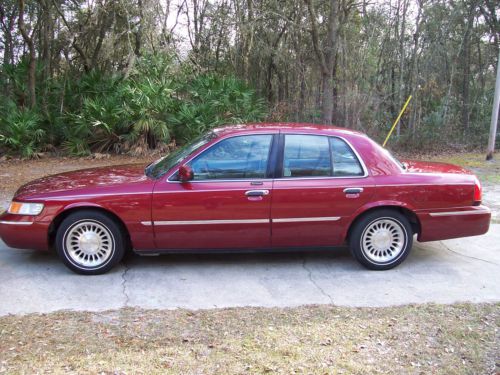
x: 397, y: 120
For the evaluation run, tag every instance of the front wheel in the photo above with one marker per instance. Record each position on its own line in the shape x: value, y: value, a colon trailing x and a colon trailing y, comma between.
x: 90, y: 242
x: 381, y: 240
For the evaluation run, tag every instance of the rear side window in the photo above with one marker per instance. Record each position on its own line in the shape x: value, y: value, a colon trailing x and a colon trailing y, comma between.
x: 345, y: 162
x: 319, y: 156
x: 306, y: 156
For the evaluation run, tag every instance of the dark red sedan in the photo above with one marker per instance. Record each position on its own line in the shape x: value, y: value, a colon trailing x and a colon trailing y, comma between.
x: 260, y: 186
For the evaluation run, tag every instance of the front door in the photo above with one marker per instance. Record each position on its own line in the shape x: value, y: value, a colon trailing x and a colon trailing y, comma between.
x: 322, y: 184
x: 226, y: 205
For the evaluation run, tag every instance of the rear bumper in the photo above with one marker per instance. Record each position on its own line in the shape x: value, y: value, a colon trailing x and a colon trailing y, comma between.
x: 23, y: 232
x: 453, y: 223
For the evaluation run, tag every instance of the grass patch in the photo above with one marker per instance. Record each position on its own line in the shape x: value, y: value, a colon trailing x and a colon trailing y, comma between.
x: 447, y: 339
x: 466, y: 159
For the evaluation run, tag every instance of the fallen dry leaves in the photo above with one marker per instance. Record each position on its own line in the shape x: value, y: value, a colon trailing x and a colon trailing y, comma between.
x: 452, y: 339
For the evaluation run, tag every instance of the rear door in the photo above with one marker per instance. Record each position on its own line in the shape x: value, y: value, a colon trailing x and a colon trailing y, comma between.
x: 320, y: 184
x: 226, y: 205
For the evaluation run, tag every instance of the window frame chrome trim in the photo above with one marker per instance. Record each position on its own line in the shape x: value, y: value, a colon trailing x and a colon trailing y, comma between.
x: 360, y: 160
x: 176, y: 168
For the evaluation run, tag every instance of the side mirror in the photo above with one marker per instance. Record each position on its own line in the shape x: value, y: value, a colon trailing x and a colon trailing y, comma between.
x: 185, y: 173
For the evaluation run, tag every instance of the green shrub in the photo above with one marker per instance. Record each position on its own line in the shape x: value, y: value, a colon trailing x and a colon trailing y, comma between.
x: 210, y: 100
x: 89, y: 112
x: 149, y: 98
x: 20, y: 131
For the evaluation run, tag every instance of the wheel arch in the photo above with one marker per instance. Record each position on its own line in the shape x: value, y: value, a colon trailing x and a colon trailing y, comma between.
x: 58, y: 219
x: 407, y: 212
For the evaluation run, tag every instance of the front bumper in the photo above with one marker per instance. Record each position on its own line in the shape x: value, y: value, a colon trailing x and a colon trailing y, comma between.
x: 24, y: 232
x: 444, y: 224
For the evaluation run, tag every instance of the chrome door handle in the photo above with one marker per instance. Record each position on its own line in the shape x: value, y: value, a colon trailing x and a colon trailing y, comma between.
x: 353, y: 190
x: 256, y: 193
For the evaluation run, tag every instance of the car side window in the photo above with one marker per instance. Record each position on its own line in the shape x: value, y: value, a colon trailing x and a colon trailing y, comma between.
x: 345, y: 162
x: 306, y: 156
x: 240, y: 157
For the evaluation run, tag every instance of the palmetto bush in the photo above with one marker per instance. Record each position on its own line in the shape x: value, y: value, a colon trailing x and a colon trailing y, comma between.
x: 95, y: 119
x: 210, y: 100
x: 150, y: 97
x: 21, y: 130
x: 117, y: 113
x: 158, y: 101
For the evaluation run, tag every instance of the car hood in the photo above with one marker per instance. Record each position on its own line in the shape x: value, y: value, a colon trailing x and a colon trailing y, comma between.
x: 85, y: 180
x: 414, y: 166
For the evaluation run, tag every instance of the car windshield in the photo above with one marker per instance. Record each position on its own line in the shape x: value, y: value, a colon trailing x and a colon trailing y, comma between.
x: 161, y: 166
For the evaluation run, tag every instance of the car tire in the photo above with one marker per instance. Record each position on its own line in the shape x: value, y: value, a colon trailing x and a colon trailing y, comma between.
x: 381, y: 240
x: 90, y: 242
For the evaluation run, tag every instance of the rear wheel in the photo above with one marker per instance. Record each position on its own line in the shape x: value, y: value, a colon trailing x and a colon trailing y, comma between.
x: 381, y: 240
x: 90, y: 242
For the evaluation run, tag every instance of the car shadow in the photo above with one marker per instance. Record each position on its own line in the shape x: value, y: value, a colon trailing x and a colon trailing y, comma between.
x: 340, y: 254
x: 338, y: 258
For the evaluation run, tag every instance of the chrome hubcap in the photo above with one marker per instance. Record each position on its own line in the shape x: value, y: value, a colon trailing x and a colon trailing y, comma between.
x: 383, y: 240
x: 89, y: 244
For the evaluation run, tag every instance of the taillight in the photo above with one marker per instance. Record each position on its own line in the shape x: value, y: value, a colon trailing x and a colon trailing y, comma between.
x: 478, y: 192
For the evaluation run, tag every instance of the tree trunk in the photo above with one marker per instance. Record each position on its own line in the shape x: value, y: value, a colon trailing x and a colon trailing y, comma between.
x: 28, y: 40
x: 248, y: 41
x: 46, y: 37
x: 413, y: 84
x: 106, y: 21
x: 330, y: 57
x: 326, y: 59
x: 8, y: 22
x: 138, y: 35
x: 85, y: 60
x: 401, y: 62
x: 466, y: 70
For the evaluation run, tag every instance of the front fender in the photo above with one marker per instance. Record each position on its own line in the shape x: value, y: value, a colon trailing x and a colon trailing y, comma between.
x: 141, y: 236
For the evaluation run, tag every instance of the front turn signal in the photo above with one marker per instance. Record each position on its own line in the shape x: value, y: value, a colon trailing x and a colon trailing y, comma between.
x: 23, y: 208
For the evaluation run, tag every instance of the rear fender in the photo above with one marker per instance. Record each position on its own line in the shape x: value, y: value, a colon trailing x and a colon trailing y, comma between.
x: 373, y: 206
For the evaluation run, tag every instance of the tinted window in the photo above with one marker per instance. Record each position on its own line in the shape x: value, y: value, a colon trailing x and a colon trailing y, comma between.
x: 306, y: 156
x: 234, y: 158
x: 345, y: 162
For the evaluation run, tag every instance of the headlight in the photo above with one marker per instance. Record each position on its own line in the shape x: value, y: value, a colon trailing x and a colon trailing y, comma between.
x: 21, y: 208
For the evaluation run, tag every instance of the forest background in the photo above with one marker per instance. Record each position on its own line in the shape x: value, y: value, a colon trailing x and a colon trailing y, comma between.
x: 132, y: 76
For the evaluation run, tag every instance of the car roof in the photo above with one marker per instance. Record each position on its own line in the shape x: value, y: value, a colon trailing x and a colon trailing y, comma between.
x: 284, y: 126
